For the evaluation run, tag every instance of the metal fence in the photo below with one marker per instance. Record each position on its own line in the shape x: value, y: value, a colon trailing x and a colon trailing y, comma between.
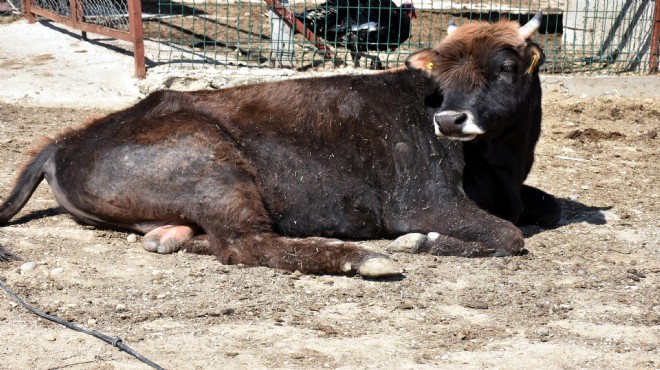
x: 121, y: 19
x: 578, y: 36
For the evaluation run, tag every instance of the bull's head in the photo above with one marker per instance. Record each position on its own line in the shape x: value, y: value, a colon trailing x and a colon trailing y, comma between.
x: 487, y: 75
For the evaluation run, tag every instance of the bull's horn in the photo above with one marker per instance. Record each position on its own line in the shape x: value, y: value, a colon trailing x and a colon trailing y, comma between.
x: 528, y: 29
x: 451, y: 27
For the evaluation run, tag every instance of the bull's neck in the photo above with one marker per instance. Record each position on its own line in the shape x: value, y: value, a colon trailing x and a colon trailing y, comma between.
x: 411, y: 81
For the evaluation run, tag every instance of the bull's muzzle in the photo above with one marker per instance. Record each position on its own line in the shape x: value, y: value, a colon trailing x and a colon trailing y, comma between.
x: 456, y: 125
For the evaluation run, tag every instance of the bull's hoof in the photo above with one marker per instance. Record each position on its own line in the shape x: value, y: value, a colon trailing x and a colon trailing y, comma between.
x: 379, y: 267
x: 408, y: 243
x: 168, y: 247
x: 167, y: 239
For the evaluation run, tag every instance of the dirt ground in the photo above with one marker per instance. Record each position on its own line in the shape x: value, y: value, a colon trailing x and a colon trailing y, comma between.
x: 586, y: 296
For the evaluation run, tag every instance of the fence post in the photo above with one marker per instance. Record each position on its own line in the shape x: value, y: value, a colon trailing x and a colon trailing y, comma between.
x: 137, y: 35
x: 26, y: 11
x: 655, y: 39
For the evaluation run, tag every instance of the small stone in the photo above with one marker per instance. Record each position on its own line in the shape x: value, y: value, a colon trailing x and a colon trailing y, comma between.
x: 542, y: 332
x: 50, y: 337
x: 120, y: 307
x: 408, y: 243
x: 405, y: 306
x: 28, y: 266
x: 296, y: 275
x: 227, y: 311
x: 379, y: 267
x: 91, y: 322
x: 56, y: 271
x: 131, y: 238
x: 476, y: 304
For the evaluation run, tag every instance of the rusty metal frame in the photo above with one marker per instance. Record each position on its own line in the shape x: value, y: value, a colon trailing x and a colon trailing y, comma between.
x: 655, y: 40
x: 75, y: 20
x: 294, y: 23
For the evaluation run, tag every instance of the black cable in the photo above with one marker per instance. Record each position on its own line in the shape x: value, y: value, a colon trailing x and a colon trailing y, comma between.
x: 115, y: 342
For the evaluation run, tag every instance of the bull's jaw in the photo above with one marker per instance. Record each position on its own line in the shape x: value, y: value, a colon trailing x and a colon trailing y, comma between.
x: 456, y: 125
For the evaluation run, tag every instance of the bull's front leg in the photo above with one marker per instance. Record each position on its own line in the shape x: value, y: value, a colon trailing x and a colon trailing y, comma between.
x: 466, y: 232
x: 307, y: 255
x: 539, y: 208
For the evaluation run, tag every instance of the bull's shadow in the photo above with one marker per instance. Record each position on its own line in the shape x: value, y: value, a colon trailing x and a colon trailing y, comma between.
x: 572, y: 212
x: 35, y: 215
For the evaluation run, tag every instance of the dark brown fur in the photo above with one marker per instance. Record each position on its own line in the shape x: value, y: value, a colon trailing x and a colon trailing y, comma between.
x: 340, y: 157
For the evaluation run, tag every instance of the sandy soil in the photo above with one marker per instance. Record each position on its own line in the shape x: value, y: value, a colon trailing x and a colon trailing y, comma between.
x: 586, y: 296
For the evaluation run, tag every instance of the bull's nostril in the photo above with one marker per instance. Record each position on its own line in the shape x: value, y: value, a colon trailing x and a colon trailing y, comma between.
x: 460, y: 118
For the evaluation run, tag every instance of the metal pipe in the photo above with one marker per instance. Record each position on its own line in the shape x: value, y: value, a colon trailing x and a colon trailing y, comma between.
x: 293, y: 22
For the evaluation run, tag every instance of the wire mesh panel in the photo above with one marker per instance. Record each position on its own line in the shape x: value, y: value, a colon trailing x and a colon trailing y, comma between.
x: 578, y: 36
x: 108, y: 13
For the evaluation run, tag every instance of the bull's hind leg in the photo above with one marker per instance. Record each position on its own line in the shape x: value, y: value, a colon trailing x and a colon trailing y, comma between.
x: 167, y: 239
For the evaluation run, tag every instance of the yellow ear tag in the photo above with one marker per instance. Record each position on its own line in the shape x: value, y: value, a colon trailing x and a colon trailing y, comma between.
x: 430, y: 66
x: 535, y: 59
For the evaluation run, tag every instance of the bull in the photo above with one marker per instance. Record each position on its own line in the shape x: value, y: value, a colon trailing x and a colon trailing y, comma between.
x: 236, y: 174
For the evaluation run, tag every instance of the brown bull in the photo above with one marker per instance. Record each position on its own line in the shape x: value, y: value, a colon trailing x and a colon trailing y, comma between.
x: 241, y: 175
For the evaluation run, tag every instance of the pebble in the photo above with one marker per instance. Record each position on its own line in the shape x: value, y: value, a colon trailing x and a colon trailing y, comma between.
x: 28, y: 266
x: 476, y: 304
x: 91, y: 322
x: 49, y: 337
x: 56, y: 271
x: 131, y: 238
x: 120, y: 307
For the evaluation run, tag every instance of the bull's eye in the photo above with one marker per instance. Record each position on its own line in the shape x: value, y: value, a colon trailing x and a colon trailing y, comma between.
x: 506, y: 68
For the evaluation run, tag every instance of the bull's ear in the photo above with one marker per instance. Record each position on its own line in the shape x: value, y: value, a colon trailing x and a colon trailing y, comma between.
x: 424, y: 60
x: 535, y: 58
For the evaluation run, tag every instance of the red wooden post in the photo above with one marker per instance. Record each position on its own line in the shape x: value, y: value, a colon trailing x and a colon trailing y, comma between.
x: 137, y: 35
x: 27, y: 11
x: 655, y: 39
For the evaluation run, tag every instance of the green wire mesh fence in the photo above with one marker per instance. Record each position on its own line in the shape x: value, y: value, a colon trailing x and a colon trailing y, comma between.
x: 578, y: 36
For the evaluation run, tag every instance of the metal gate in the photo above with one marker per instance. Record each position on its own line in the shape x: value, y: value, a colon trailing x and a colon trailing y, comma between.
x: 120, y: 19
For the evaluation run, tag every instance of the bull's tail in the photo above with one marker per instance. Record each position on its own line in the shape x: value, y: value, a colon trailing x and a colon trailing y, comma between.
x: 26, y: 182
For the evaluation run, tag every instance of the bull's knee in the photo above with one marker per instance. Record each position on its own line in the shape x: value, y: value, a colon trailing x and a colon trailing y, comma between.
x: 508, y: 241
